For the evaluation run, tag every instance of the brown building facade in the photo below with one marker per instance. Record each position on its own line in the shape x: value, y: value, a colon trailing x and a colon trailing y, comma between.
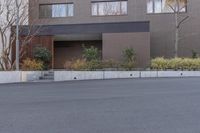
x: 112, y: 25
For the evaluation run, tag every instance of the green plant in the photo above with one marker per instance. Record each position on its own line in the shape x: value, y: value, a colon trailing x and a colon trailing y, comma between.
x: 175, y: 63
x: 129, y: 58
x: 68, y: 64
x: 32, y: 65
x: 93, y: 65
x: 129, y: 55
x: 78, y: 64
x: 128, y: 65
x: 110, y: 64
x: 44, y: 55
x: 194, y: 54
x: 82, y: 64
x: 91, y: 53
x: 159, y: 63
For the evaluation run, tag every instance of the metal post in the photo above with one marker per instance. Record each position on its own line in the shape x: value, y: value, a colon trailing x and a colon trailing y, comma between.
x: 17, y: 36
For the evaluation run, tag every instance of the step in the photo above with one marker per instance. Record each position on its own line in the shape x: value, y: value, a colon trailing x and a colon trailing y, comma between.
x: 49, y: 74
x: 43, y: 80
x: 47, y: 77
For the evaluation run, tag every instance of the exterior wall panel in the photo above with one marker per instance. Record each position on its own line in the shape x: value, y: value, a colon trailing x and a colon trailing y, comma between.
x: 115, y: 43
x: 161, y: 25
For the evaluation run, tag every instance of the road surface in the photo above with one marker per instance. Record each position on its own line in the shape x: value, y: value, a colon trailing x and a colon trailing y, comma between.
x: 102, y: 106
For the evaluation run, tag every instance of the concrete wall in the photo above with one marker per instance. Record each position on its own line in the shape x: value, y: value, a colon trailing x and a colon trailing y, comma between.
x: 94, y: 75
x: 27, y: 76
x: 90, y: 75
x: 115, y: 43
x: 10, y: 77
x: 19, y: 76
x: 162, y: 25
x: 30, y: 76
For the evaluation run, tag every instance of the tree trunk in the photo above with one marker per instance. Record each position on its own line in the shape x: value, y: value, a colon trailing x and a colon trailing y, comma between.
x: 176, y: 36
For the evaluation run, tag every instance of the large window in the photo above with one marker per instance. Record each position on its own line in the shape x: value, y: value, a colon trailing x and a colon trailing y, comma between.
x: 56, y: 10
x: 160, y: 6
x: 109, y: 8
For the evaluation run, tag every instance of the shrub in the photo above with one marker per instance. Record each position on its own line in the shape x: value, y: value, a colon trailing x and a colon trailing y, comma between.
x: 159, y: 63
x: 44, y: 55
x: 68, y: 65
x: 110, y: 64
x: 91, y: 53
x: 194, y: 54
x: 93, y: 65
x: 129, y: 58
x: 79, y: 64
x: 175, y: 63
x: 32, y: 65
x: 129, y: 55
x: 128, y: 65
x: 194, y: 64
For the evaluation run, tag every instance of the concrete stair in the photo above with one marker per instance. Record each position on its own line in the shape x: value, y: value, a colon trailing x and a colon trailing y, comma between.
x: 47, y: 76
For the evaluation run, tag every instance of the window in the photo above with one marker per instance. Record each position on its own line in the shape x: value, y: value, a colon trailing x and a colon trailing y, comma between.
x: 56, y: 10
x: 160, y: 6
x: 109, y: 8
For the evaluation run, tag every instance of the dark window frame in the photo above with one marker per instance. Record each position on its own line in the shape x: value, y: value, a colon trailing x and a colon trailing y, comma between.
x: 104, y: 1
x: 51, y: 4
x: 162, y: 12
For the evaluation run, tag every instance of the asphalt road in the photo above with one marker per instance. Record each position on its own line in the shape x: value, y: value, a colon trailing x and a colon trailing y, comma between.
x: 109, y: 106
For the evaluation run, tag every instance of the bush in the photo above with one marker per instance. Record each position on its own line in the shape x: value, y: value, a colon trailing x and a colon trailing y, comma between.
x: 91, y: 53
x: 129, y: 55
x: 68, y: 65
x: 175, y: 63
x: 81, y: 64
x: 93, y: 65
x: 128, y: 65
x: 44, y: 55
x: 32, y: 65
x: 110, y: 64
x: 129, y: 58
x: 75, y: 64
x: 159, y: 63
x: 194, y: 54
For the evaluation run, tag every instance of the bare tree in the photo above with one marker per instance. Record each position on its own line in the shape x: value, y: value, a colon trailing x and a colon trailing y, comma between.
x: 8, y: 14
x: 178, y: 7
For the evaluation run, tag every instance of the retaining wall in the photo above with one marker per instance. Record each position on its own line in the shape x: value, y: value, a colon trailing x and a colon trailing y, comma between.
x: 87, y: 75
x: 26, y: 76
x: 10, y: 77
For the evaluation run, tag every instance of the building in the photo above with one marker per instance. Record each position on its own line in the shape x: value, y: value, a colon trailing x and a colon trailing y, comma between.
x: 113, y: 25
